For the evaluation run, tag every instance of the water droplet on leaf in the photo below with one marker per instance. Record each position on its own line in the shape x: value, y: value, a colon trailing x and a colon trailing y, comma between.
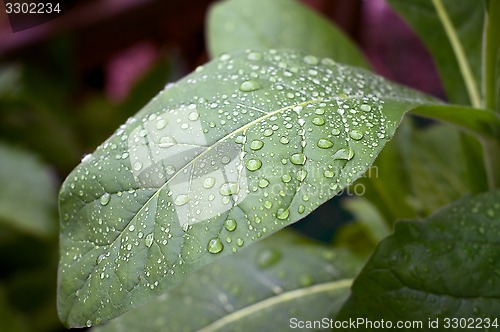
x: 249, y: 86
x: 324, y: 143
x: 215, y: 246
x: 298, y: 159
x: 254, y: 164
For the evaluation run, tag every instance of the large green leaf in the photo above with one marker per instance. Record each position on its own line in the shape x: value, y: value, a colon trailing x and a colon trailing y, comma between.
x: 452, y: 31
x: 444, y: 267
x: 27, y: 193
x: 241, y: 148
x: 260, y: 289
x: 241, y: 24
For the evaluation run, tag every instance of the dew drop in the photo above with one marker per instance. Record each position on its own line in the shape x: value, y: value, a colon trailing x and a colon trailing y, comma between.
x: 298, y: 159
x: 282, y: 213
x: 137, y: 166
x: 181, y: 199
x: 149, y: 240
x: 254, y: 164
x: 170, y: 169
x: 263, y: 183
x: 356, y: 134
x: 194, y: 115
x: 215, y: 246
x: 229, y: 188
x: 286, y: 178
x: 240, y: 139
x: 254, y: 56
x: 268, y: 204
x: 209, y: 182
x: 301, y: 209
x: 284, y: 140
x: 131, y: 228
x: 162, y: 123
x: 328, y: 173
x: 301, y: 175
x: 318, y: 121
x: 311, y: 60
x: 105, y: 199
x: 335, y: 132
x: 346, y: 154
x: 256, y: 145
x: 250, y: 85
x: 240, y: 242
x: 324, y: 143
x: 230, y: 224
x: 166, y: 142
x: 268, y: 132
x: 365, y: 108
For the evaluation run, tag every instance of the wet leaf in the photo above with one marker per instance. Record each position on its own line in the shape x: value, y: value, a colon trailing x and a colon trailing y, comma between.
x: 443, y: 267
x: 241, y: 24
x: 27, y: 193
x: 260, y: 289
x: 243, y: 147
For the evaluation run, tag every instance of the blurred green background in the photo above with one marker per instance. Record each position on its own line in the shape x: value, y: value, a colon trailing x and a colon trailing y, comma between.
x: 66, y: 85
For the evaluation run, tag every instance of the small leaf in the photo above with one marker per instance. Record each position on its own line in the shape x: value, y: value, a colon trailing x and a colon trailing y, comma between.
x: 237, y: 149
x: 27, y: 193
x: 260, y: 289
x: 452, y: 31
x: 242, y: 24
x: 369, y: 217
x: 444, y: 267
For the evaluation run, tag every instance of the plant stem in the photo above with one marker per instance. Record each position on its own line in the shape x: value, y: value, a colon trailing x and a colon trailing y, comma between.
x: 469, y: 80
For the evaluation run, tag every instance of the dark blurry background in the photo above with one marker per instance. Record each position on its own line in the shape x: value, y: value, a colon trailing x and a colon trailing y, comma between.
x: 66, y: 85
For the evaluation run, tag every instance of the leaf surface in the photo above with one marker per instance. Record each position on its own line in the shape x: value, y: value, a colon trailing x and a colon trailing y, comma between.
x: 260, y: 289
x: 242, y: 24
x: 443, y: 267
x: 243, y: 147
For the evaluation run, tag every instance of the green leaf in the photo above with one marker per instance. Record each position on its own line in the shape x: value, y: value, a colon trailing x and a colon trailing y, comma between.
x: 492, y: 56
x: 262, y: 24
x: 261, y: 288
x: 482, y: 123
x: 241, y: 148
x: 434, y: 181
x: 451, y: 30
x: 27, y: 193
x: 443, y: 267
